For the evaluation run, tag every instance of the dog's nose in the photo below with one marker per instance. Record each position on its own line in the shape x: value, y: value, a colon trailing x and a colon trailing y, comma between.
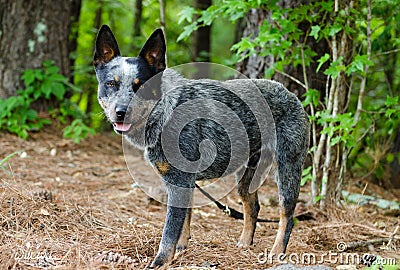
x: 120, y: 111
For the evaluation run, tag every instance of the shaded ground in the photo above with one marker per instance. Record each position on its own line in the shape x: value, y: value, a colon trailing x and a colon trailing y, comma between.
x: 68, y: 206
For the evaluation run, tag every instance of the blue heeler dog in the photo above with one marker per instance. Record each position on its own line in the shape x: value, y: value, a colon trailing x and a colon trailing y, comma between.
x: 121, y: 78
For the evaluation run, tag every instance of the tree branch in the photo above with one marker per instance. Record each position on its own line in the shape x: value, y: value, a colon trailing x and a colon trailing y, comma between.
x: 364, y: 79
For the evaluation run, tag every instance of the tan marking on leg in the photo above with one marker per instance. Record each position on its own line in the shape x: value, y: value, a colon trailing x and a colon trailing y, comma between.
x: 185, y: 235
x: 278, y: 246
x: 136, y: 81
x: 249, y: 223
x: 164, y: 256
x: 116, y: 78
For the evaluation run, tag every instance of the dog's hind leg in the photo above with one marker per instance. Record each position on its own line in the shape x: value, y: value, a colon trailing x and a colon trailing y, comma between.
x: 288, y: 180
x: 251, y: 208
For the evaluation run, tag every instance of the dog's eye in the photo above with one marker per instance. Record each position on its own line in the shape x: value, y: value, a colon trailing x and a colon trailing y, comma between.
x: 110, y: 84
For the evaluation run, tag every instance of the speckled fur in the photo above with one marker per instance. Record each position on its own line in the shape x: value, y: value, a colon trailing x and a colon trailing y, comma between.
x: 291, y: 128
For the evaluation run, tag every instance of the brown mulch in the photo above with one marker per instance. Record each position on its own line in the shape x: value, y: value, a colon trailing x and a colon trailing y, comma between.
x: 69, y: 206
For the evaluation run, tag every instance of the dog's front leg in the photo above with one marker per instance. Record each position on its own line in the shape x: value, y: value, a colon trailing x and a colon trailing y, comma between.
x: 179, y: 202
x: 185, y: 235
x: 171, y: 233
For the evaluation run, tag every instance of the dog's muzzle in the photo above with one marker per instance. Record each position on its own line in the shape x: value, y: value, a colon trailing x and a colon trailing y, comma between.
x: 120, y: 125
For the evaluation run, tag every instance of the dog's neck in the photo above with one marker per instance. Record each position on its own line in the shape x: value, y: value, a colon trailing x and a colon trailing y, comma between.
x: 170, y: 79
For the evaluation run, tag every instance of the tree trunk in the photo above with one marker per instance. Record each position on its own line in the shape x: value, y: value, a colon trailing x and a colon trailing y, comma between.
x: 137, y: 18
x: 254, y: 66
x: 394, y: 89
x: 394, y: 181
x: 32, y: 31
x: 75, y: 12
x: 202, y: 37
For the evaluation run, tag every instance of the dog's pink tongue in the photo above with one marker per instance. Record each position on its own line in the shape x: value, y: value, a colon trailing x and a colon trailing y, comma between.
x: 122, y: 126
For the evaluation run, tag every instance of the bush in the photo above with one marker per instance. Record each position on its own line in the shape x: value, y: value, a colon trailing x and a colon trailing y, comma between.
x: 17, y: 115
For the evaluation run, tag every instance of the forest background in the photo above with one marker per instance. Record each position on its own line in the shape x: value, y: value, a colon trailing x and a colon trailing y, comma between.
x: 341, y: 58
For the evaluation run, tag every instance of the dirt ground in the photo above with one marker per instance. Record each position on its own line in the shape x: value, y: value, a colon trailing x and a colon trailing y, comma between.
x: 75, y: 206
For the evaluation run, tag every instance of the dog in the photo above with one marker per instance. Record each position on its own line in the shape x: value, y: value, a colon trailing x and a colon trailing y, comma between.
x: 143, y: 123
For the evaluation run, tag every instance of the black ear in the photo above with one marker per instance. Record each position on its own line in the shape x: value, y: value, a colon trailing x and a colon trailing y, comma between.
x: 154, y: 50
x: 106, y: 46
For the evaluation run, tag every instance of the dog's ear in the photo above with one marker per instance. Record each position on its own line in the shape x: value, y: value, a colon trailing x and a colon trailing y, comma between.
x: 154, y: 51
x: 106, y: 46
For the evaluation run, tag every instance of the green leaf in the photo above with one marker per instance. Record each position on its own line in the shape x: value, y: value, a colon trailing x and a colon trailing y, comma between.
x: 358, y: 64
x: 28, y: 77
x: 57, y: 77
x: 207, y: 17
x: 318, y: 198
x: 51, y: 70
x: 327, y: 6
x: 27, y: 91
x: 73, y: 87
x: 390, y: 101
x: 390, y: 112
x: 244, y: 44
x: 48, y: 63
x: 322, y: 60
x: 58, y: 89
x: 187, y: 31
x: 8, y: 157
x: 334, y: 29
x: 335, y: 68
x: 46, y: 88
x: 312, y: 96
x: 306, y: 176
x: 186, y: 14
x: 390, y: 157
x: 31, y: 115
x: 335, y: 140
x: 314, y: 31
x: 77, y: 131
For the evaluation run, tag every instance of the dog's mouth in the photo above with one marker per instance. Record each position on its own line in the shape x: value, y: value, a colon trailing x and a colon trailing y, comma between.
x: 122, y: 127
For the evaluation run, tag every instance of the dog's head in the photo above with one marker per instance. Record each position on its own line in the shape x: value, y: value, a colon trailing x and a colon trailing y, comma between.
x: 121, y: 77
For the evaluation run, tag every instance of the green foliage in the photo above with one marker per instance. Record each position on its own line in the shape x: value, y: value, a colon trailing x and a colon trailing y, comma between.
x: 380, y: 123
x: 77, y: 131
x: 358, y: 65
x: 4, y: 160
x: 16, y: 114
x: 312, y: 97
x: 306, y: 176
x: 368, y: 138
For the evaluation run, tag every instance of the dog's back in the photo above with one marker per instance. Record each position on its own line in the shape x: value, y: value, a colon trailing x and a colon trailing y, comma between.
x: 289, y: 120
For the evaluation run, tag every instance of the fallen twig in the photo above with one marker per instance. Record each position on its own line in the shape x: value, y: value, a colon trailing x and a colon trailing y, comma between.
x: 109, y: 172
x: 365, y: 243
x: 350, y: 224
x: 392, y: 236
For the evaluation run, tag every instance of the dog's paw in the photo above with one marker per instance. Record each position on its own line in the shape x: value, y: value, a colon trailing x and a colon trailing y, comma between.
x: 180, y: 248
x: 243, y: 244
x: 160, y: 260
